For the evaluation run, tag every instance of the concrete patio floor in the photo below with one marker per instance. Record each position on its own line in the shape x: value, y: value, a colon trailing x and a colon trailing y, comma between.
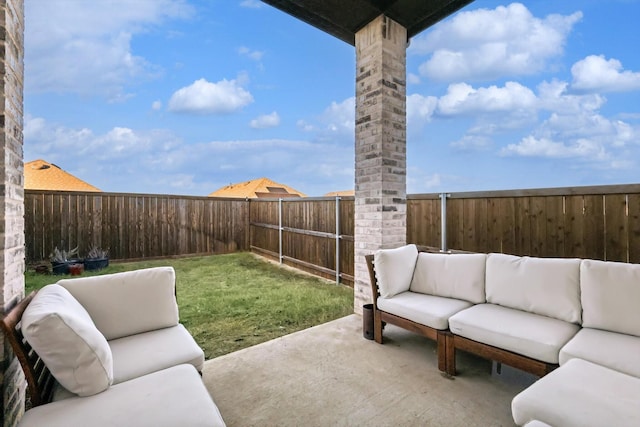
x: 330, y: 375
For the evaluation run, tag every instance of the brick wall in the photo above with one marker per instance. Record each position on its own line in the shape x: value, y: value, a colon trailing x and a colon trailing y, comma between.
x: 11, y: 195
x: 380, y: 187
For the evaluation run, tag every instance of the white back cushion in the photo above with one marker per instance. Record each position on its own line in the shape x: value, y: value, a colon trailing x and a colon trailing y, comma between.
x: 611, y: 296
x: 394, y: 269
x: 459, y: 276
x: 546, y: 286
x: 60, y: 330
x: 128, y: 303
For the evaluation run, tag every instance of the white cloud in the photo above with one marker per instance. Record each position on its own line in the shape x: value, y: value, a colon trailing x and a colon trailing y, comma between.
x: 157, y: 161
x: 86, y: 49
x: 266, y: 121
x: 413, y: 79
x: 251, y: 4
x: 304, y: 126
x: 420, y: 109
x: 486, y: 44
x: 203, y: 97
x: 472, y: 142
x: 543, y: 147
x: 595, y: 73
x: 255, y: 55
x: 339, y: 117
x: 463, y: 99
x: 156, y: 105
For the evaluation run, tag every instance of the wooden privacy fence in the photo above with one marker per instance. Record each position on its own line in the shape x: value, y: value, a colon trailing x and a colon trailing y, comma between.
x: 133, y: 226
x: 585, y: 222
x: 312, y: 234
x: 317, y: 234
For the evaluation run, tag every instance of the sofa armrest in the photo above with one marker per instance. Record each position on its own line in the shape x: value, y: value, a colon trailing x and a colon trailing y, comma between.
x: 128, y: 303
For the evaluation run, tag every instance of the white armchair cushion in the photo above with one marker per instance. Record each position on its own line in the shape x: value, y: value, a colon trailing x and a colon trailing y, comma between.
x: 128, y: 303
x: 620, y: 352
x: 62, y: 333
x: 394, y: 269
x: 459, y: 276
x: 611, y: 296
x: 546, y: 286
x: 428, y: 310
x: 141, y: 354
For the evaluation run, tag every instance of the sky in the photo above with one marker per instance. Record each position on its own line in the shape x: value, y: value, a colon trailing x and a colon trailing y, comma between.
x: 186, y: 96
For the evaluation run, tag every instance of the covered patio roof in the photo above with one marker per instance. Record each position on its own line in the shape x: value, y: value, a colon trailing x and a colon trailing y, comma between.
x: 344, y: 18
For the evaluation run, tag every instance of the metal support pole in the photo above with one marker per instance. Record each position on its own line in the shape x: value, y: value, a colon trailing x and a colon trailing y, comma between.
x: 443, y: 221
x: 280, y: 230
x: 337, y: 240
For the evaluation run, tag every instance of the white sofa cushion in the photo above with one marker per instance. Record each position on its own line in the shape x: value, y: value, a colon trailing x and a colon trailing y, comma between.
x: 546, y: 286
x: 611, y: 296
x: 580, y: 394
x: 394, y: 269
x: 528, y: 334
x: 459, y: 276
x: 428, y: 310
x: 141, y: 354
x: 616, y: 351
x: 62, y: 333
x: 172, y: 397
x: 128, y: 303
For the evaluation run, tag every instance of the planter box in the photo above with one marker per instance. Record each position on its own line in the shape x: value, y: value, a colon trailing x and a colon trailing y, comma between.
x: 96, y: 264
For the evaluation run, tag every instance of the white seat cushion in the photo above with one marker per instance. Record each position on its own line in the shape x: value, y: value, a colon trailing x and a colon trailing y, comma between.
x: 459, y: 276
x: 528, y: 334
x: 62, y: 333
x: 128, y: 303
x: 580, y: 394
x: 394, y: 269
x: 610, y: 296
x: 148, y: 352
x: 172, y: 397
x: 428, y: 310
x: 546, y: 286
x: 616, y: 351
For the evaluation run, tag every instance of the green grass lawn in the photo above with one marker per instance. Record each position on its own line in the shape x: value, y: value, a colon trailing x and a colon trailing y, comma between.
x: 229, y: 302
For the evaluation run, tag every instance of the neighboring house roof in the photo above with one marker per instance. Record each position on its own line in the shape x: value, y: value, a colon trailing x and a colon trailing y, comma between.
x: 42, y: 175
x: 341, y: 193
x: 257, y: 188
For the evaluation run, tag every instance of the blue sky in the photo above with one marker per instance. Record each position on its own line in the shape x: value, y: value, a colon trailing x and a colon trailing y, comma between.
x: 183, y: 97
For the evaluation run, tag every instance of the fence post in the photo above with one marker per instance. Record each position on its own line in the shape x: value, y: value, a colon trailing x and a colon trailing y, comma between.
x: 280, y: 230
x: 337, y: 240
x: 443, y: 221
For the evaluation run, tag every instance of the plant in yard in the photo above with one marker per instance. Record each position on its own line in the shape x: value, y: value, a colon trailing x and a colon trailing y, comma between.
x: 96, y: 259
x: 61, y: 258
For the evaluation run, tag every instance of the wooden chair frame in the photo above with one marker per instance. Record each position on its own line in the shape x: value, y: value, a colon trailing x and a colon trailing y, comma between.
x: 379, y: 316
x: 40, y: 382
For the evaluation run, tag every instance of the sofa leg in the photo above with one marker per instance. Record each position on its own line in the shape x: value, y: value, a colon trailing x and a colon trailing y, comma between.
x: 441, y: 341
x: 450, y: 354
x: 377, y: 326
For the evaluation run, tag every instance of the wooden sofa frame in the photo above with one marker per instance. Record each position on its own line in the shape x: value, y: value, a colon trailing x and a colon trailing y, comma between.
x: 40, y: 382
x: 447, y: 342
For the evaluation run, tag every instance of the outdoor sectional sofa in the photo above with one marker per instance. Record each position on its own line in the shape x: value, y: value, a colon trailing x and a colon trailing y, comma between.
x: 109, y: 350
x: 536, y: 314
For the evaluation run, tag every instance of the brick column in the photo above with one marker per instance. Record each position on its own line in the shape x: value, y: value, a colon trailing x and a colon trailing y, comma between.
x: 12, y: 251
x: 381, y: 169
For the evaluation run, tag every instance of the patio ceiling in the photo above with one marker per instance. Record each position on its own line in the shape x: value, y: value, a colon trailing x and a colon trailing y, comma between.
x: 344, y: 18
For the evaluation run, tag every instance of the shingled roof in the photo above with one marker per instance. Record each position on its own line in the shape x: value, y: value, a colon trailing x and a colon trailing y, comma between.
x: 344, y: 193
x: 257, y: 188
x: 42, y: 175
